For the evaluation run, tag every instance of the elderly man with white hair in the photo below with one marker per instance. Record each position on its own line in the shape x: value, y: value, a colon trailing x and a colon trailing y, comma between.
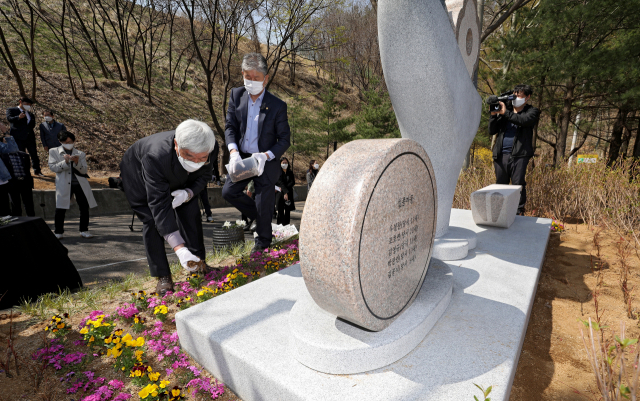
x: 161, y: 174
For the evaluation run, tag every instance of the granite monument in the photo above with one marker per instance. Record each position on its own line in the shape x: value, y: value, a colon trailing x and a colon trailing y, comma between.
x: 367, y: 230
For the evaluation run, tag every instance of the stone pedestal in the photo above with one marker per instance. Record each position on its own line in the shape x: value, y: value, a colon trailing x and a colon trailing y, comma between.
x: 327, y: 344
x: 244, y: 337
x: 495, y: 205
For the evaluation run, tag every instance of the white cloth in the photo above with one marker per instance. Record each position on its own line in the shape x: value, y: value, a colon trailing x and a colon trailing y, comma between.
x: 58, y: 165
x: 179, y: 197
x: 262, y: 159
x: 185, y: 257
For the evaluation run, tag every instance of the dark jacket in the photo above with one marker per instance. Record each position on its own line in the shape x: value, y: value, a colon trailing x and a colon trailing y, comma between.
x: 523, y: 141
x: 286, y: 183
x: 26, y: 167
x: 273, y: 127
x: 20, y: 129
x: 49, y: 136
x: 150, y: 171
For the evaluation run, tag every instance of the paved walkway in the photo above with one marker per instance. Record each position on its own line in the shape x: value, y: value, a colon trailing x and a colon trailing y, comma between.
x: 116, y: 251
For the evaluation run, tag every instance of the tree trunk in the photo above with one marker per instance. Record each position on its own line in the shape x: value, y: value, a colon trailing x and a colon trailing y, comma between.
x: 561, y: 142
x: 616, y: 136
x: 32, y: 33
x: 8, y: 59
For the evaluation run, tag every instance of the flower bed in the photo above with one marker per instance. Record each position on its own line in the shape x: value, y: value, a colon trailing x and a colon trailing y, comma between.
x: 136, y: 347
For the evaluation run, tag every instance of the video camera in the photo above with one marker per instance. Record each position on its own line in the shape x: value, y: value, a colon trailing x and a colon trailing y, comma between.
x: 494, y: 101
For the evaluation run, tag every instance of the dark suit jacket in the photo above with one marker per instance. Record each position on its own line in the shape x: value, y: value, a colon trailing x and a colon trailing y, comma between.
x: 273, y: 127
x: 20, y: 129
x: 26, y: 167
x: 150, y: 171
x: 49, y: 136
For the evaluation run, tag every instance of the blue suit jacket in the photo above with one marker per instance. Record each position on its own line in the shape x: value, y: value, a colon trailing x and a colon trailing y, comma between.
x: 273, y: 127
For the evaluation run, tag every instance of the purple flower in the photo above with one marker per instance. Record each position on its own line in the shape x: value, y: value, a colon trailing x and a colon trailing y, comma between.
x: 116, y: 384
x: 122, y: 397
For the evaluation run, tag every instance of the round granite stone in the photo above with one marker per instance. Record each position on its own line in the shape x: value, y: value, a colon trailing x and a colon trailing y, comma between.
x: 367, y: 230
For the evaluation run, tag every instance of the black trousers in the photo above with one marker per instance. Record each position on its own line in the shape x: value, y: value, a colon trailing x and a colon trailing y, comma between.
x: 29, y: 145
x: 512, y: 170
x: 190, y: 227
x: 21, y: 192
x: 260, y: 209
x: 284, y: 214
x: 83, y: 205
x: 5, y: 205
x: 204, y: 197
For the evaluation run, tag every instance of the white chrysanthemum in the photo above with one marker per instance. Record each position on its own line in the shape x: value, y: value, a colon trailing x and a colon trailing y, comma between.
x: 241, y: 223
x: 226, y: 224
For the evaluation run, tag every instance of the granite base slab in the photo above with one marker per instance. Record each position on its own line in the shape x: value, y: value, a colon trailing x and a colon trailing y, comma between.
x: 242, y: 337
x: 327, y: 344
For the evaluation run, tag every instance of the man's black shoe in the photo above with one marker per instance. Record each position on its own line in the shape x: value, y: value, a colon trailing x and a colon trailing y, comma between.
x: 256, y: 248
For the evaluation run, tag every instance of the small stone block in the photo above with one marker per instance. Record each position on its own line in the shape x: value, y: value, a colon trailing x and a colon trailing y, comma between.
x: 495, y: 205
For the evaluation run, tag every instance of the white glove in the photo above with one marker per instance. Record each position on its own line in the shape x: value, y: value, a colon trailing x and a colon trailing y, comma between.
x: 261, y: 158
x: 185, y: 257
x: 179, y: 197
x: 278, y: 189
x: 233, y: 159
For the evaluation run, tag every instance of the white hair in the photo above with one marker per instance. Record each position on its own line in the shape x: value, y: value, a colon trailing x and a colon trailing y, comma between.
x: 195, y: 136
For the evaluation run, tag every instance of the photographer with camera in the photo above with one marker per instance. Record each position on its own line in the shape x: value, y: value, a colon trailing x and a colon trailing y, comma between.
x: 513, y: 124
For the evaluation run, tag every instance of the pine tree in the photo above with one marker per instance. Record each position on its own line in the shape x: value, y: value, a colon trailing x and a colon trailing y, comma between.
x: 329, y: 120
x: 376, y: 118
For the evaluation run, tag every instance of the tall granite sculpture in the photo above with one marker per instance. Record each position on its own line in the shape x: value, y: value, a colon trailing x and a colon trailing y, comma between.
x: 433, y: 96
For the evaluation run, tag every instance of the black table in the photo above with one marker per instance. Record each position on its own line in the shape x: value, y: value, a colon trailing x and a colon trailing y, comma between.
x: 32, y: 262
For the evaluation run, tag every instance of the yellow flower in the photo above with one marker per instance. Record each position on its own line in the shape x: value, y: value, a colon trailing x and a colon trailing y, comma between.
x: 84, y: 330
x: 154, y: 376
x: 144, y: 393
x: 234, y: 271
x: 164, y: 383
x: 127, y: 337
x: 92, y: 339
x: 116, y: 340
x: 175, y: 392
x: 149, y: 369
x: 107, y: 340
x: 46, y: 328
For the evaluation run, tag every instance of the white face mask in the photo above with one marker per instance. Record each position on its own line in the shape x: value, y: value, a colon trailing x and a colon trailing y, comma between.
x: 284, y: 166
x: 189, y: 165
x: 48, y: 119
x: 519, y: 101
x: 316, y: 166
x: 253, y: 87
x: 67, y: 146
x: 26, y: 107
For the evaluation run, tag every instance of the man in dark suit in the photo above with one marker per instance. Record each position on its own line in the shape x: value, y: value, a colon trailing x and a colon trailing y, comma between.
x: 22, y: 123
x: 257, y: 126
x: 155, y: 169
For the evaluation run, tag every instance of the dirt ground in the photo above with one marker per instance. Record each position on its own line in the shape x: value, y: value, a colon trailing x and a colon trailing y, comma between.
x: 553, y: 363
x: 98, y: 179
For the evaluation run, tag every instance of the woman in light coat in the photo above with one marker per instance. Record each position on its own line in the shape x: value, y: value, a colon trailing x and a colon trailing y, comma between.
x: 70, y: 166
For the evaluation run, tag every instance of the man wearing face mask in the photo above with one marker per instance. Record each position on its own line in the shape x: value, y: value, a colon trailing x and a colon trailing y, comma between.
x: 513, y: 148
x: 257, y: 126
x: 49, y: 131
x: 22, y: 123
x: 161, y: 174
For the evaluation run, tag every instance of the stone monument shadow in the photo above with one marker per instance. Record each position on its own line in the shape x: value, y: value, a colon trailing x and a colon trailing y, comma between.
x: 475, y: 335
